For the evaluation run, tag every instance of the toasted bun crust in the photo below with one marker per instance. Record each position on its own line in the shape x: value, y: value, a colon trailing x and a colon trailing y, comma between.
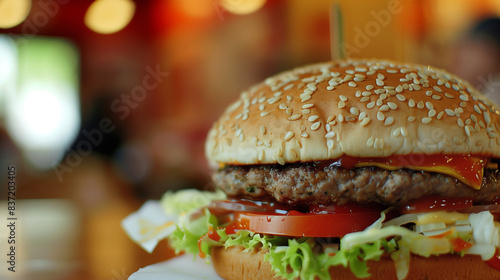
x: 362, y: 108
x: 234, y: 263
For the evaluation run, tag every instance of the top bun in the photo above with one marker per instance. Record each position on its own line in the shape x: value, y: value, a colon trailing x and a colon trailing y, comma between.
x: 361, y: 108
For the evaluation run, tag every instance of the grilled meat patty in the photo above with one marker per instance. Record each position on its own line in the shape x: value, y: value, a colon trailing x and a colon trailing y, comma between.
x: 308, y: 183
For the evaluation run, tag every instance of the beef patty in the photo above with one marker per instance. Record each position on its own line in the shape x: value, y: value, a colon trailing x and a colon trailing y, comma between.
x: 307, y: 183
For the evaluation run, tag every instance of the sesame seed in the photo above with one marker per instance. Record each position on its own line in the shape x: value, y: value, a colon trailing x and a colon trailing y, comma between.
x: 464, y: 97
x: 341, y: 118
x: 273, y: 100
x: 305, y: 99
x: 468, y: 121
x: 289, y: 135
x: 411, y: 103
x: 263, y: 114
x: 341, y: 104
x: 283, y: 106
x: 420, y: 105
x: 289, y: 97
x: 476, y: 108
x: 315, y: 126
x: 349, y: 71
x: 330, y: 119
x: 263, y: 129
x: 311, y: 86
x: 411, y: 119
x: 358, y: 79
x: 396, y: 132
x: 384, y: 108
x: 370, y: 105
x: 330, y: 87
x: 431, y: 113
x: 289, y: 111
x: 365, y: 121
x: 473, y: 118
x: 450, y: 112
x: 400, y: 97
x: 468, y: 129
x: 380, y: 116
x: 307, y: 106
x: 455, y: 87
x: 392, y: 105
x: 347, y: 78
x: 365, y: 99
x: 366, y: 93
x: 379, y: 82
x: 354, y: 111
x: 389, y: 121
x: 380, y: 76
x: 281, y: 160
x: 380, y: 90
x: 460, y: 122
x: 288, y: 87
x: 370, y: 141
x: 242, y: 137
x: 448, y: 95
x: 313, y: 118
x: 404, y: 131
x: 304, y: 134
x: 428, y: 93
x: 343, y: 98
x: 436, y: 97
x: 403, y: 80
x: 436, y: 88
x: 486, y: 117
x: 379, y: 102
x: 481, y: 105
x: 392, y: 71
x: 352, y: 84
x: 261, y: 155
x: 330, y: 134
x: 369, y: 87
x: 399, y: 88
x: 426, y: 120
x: 278, y: 93
x: 416, y: 87
x: 358, y: 93
x: 362, y: 115
x: 294, y: 117
x: 305, y: 111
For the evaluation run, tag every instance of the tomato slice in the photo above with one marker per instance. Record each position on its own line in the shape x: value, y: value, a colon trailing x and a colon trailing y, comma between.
x: 299, y: 224
x: 436, y: 203
x: 495, y: 261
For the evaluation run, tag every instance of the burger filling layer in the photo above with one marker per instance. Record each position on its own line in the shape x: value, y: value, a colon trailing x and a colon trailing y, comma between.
x: 305, y: 183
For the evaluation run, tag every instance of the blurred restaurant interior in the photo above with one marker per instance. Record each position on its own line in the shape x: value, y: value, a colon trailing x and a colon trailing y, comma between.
x: 105, y: 104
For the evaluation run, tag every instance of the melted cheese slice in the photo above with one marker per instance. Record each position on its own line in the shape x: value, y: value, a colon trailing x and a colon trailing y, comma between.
x: 470, y: 172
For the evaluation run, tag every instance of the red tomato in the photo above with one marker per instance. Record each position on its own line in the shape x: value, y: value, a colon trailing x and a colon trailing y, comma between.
x: 495, y: 261
x: 307, y: 224
x: 436, y: 203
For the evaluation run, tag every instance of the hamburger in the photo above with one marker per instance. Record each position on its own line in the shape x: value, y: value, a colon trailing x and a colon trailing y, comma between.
x: 352, y: 169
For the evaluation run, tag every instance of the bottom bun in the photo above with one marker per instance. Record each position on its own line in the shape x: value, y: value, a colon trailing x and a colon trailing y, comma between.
x: 233, y: 263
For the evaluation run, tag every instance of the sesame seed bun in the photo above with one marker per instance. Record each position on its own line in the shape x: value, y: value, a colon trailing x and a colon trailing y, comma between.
x: 361, y: 108
x: 234, y: 263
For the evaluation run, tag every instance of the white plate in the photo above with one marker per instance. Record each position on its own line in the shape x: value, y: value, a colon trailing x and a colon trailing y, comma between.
x: 178, y: 268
